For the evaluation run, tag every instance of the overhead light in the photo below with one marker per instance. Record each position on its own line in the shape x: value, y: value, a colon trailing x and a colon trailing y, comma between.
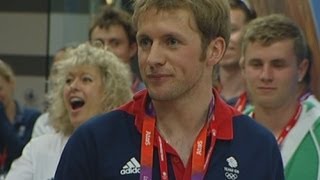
x: 109, y: 2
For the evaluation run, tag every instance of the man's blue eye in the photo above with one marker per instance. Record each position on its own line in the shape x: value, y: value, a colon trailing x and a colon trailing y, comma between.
x: 144, y: 42
x: 172, y: 42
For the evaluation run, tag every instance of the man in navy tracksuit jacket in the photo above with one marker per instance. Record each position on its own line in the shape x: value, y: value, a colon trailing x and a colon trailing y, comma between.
x: 179, y: 128
x: 104, y: 147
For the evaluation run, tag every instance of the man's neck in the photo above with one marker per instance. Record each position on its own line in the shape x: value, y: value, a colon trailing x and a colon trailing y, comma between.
x: 232, y: 82
x: 303, y: 88
x: 275, y: 119
x: 180, y: 122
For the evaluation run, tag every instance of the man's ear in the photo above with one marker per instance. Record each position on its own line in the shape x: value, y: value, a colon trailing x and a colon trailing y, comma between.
x: 302, y: 69
x: 215, y: 51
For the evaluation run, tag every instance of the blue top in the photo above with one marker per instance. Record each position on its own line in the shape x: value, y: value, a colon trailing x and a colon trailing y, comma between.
x: 108, y: 147
x: 15, y: 136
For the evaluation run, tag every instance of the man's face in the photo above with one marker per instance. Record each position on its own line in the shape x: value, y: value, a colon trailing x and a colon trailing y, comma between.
x: 271, y: 73
x: 116, y: 39
x: 233, y: 53
x: 169, y: 51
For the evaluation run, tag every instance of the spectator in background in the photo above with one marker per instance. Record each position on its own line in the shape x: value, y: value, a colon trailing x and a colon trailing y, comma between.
x: 227, y: 75
x: 16, y: 122
x: 274, y: 62
x: 92, y: 81
x: 43, y: 124
x: 113, y: 28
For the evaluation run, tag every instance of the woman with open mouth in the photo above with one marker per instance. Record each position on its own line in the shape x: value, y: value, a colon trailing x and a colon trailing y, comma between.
x: 90, y: 81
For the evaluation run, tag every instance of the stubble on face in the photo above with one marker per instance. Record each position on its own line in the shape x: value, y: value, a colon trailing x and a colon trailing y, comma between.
x: 180, y: 78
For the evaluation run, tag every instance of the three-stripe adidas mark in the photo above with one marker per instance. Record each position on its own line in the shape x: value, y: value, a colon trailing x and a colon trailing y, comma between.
x: 131, y: 167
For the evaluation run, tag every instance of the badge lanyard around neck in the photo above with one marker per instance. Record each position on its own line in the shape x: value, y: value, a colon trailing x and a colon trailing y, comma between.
x: 287, y: 128
x: 285, y: 131
x: 200, y: 159
x: 241, y: 102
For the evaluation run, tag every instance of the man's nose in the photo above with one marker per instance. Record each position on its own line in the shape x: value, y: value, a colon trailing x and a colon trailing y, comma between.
x: 266, y: 73
x: 156, y: 56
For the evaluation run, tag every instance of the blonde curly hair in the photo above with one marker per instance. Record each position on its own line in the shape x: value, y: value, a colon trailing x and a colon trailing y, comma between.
x: 115, y: 75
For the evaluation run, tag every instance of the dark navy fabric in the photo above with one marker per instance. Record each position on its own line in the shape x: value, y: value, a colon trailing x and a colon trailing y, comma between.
x: 15, y: 136
x: 101, y: 148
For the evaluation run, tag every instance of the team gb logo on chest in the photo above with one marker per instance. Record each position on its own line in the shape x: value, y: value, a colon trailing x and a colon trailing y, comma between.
x: 231, y: 171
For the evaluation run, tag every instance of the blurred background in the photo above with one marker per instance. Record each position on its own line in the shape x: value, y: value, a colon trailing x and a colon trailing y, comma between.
x: 32, y: 31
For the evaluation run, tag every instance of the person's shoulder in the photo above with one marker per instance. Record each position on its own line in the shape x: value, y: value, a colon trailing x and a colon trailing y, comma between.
x: 47, y: 139
x: 311, y: 114
x: 42, y: 125
x: 116, y: 123
x: 99, y: 132
x: 311, y: 102
x: 44, y: 117
x: 115, y: 116
x: 249, y: 128
x: 107, y: 122
x: 310, y: 111
x: 47, y: 143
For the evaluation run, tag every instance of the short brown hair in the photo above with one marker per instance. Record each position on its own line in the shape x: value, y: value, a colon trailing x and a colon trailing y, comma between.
x: 211, y: 16
x: 274, y: 28
x: 110, y: 16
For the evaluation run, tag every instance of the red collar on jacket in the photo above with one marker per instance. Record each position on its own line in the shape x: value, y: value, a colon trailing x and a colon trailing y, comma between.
x: 223, y: 113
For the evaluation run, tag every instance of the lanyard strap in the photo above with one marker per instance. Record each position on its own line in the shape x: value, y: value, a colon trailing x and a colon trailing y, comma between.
x: 287, y: 128
x: 147, y: 149
x: 200, y: 159
x: 163, y: 160
x: 289, y: 125
x: 241, y: 102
